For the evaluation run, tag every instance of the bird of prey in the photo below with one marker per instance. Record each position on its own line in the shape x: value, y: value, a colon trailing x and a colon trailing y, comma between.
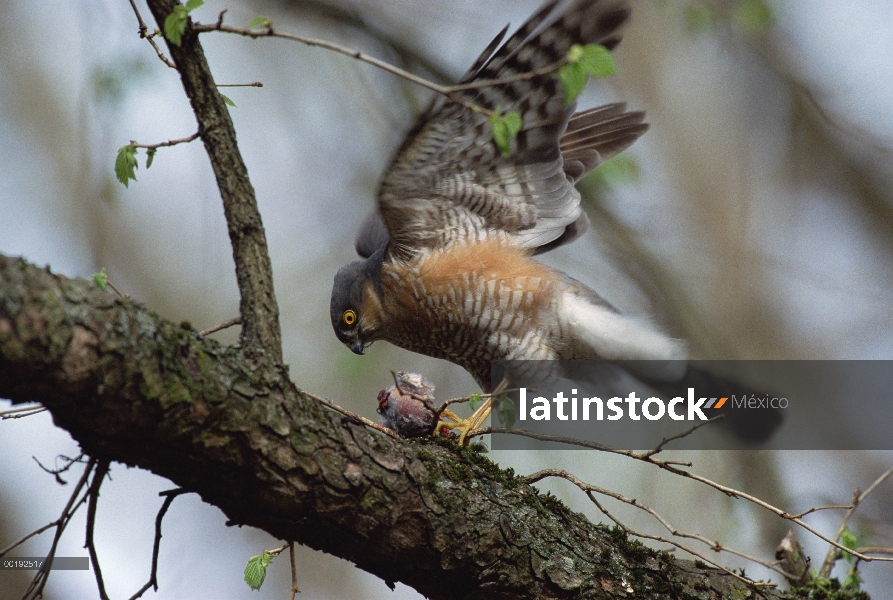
x: 447, y: 267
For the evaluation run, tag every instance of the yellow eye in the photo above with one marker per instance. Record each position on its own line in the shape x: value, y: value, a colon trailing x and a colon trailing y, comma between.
x: 349, y: 317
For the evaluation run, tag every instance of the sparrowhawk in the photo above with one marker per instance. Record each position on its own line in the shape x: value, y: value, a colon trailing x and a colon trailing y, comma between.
x: 448, y: 268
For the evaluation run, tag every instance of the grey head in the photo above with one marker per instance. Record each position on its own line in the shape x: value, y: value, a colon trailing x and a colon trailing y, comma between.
x: 356, y: 302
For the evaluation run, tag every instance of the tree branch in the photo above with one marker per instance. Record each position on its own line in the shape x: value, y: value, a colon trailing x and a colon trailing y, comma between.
x: 136, y: 389
x: 254, y: 274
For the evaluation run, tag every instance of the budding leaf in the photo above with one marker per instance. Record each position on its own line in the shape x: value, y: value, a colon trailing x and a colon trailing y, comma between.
x: 262, y: 22
x: 175, y: 25
x: 505, y: 130
x: 150, y: 156
x: 505, y: 410
x: 573, y: 80
x: 591, y: 60
x: 597, y: 61
x: 228, y: 102
x: 100, y: 280
x: 853, y: 580
x: 191, y: 5
x: 848, y: 540
x: 256, y: 569
x: 125, y: 164
x: 473, y: 400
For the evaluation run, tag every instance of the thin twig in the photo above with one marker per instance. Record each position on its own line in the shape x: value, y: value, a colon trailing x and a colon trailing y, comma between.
x: 835, y: 551
x: 21, y: 412
x: 672, y: 467
x: 35, y: 588
x: 588, y: 489
x: 676, y: 544
x: 819, y: 508
x: 678, y: 436
x: 116, y: 290
x: 875, y: 549
x: 450, y: 91
x: 184, y: 140
x: 294, y: 571
x: 255, y: 84
x: 224, y: 325
x: 70, y: 462
x: 156, y: 546
x: 353, y: 415
x: 144, y: 33
x: 102, y: 469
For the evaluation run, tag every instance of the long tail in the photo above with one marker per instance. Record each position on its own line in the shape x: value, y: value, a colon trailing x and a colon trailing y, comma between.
x: 599, y: 331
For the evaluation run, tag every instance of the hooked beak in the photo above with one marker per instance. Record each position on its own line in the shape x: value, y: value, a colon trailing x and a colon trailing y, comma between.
x: 357, y: 347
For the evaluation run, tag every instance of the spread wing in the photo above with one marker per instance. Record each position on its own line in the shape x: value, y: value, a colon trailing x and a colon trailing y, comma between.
x: 449, y: 181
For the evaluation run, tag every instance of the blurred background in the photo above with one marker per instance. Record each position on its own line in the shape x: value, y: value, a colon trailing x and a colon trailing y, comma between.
x: 754, y: 219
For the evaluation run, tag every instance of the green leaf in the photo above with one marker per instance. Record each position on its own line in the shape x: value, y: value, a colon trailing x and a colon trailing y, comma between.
x: 473, y: 400
x: 615, y: 172
x: 175, y: 25
x: 752, y: 16
x: 262, y: 22
x: 505, y: 410
x: 582, y: 62
x: 575, y: 54
x: 573, y: 79
x: 853, y: 580
x: 191, y: 5
x: 227, y: 101
x: 100, y: 280
x: 848, y: 540
x: 125, y: 164
x: 597, y: 61
x: 150, y: 156
x: 505, y: 130
x: 256, y: 569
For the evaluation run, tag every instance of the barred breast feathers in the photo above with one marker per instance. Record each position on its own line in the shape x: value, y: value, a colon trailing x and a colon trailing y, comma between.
x: 490, y: 259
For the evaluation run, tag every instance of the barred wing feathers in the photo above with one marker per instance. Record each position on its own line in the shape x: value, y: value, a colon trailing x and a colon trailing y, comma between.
x: 449, y: 181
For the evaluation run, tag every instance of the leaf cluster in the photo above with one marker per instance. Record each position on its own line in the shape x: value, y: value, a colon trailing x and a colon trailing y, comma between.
x: 175, y: 23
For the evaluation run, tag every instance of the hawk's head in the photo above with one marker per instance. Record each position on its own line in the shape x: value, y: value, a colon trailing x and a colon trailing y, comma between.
x: 356, y: 302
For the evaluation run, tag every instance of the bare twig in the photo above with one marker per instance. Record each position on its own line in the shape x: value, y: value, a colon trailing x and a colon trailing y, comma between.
x: 144, y: 33
x: 69, y: 462
x: 676, y: 544
x: 665, y: 441
x: 353, y: 415
x: 184, y: 140
x: 224, y: 325
x: 35, y: 588
x: 117, y: 291
x: 875, y: 549
x: 450, y: 91
x: 589, y: 489
x: 820, y: 508
x: 21, y: 411
x: 102, y: 469
x: 156, y: 546
x: 672, y: 467
x: 294, y: 571
x: 255, y: 84
x: 835, y: 551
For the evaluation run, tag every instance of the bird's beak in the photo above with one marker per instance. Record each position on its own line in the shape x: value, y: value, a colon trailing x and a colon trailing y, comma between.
x: 357, y: 347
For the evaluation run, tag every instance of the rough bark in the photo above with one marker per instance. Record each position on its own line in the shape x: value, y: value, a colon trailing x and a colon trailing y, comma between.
x: 254, y: 272
x: 134, y: 388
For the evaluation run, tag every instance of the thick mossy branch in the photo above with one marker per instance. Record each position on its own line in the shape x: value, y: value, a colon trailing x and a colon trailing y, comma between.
x: 134, y: 388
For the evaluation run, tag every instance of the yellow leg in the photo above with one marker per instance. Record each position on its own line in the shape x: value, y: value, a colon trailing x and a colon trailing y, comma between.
x: 467, y: 425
